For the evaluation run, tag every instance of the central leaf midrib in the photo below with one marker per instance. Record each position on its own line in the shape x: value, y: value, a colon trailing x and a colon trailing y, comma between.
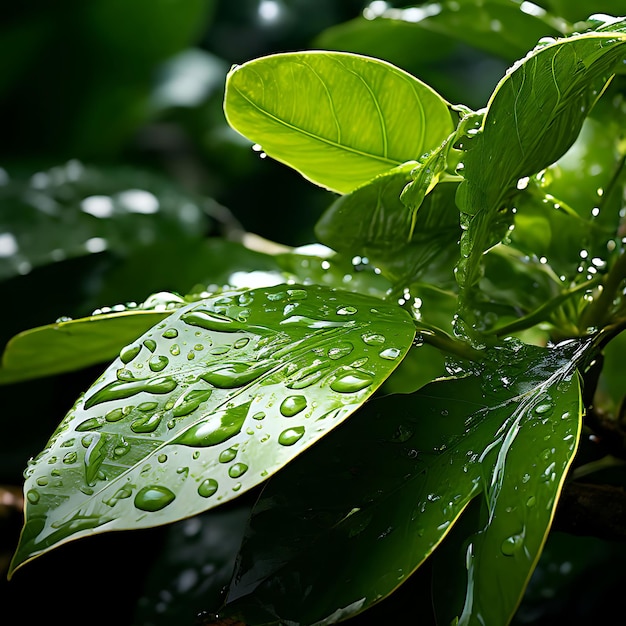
x: 319, y: 138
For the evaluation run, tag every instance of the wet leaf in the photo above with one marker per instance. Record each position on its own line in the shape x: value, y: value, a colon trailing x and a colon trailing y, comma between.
x: 368, y: 504
x: 207, y: 405
x: 339, y: 119
x: 406, y: 245
x: 532, y: 119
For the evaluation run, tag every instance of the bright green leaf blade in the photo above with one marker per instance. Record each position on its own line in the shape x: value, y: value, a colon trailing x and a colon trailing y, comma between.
x: 206, y: 405
x: 375, y: 498
x: 533, y: 117
x: 70, y: 345
x: 539, y: 444
x: 339, y: 119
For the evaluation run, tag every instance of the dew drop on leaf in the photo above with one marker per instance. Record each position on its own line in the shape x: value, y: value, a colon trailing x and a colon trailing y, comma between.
x: 373, y: 339
x: 150, y: 344
x: 128, y: 353
x: 390, y: 354
x: 154, y: 498
x: 351, y: 382
x: 158, y: 363
x: 237, y: 470
x: 346, y: 310
x: 170, y: 333
x: 226, y: 456
x: 32, y: 496
x: 146, y: 424
x: 211, y: 321
x: 208, y: 487
x: 291, y: 435
x: 511, y: 545
x: 234, y: 375
x: 292, y: 405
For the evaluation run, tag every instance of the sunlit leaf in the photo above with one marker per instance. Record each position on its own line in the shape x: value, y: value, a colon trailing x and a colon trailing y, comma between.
x: 339, y: 119
x: 532, y: 119
x: 206, y: 405
x: 368, y: 504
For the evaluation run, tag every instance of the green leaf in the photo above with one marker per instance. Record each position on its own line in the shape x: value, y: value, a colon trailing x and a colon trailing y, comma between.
x: 406, y: 245
x: 532, y: 119
x: 345, y: 524
x: 339, y: 119
x: 428, y: 32
x: 70, y: 345
x: 207, y: 405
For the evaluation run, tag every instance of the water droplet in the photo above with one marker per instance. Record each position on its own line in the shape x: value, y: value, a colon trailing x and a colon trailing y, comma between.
x: 208, y: 487
x: 530, y: 503
x: 118, y: 390
x: 291, y: 435
x: 226, y: 456
x: 89, y: 424
x: 373, y: 339
x: 237, y: 469
x: 297, y: 294
x: 190, y: 402
x: 219, y: 427
x: 170, y: 333
x: 241, y: 343
x: 346, y: 310
x: 342, y: 349
x: 128, y: 353
x: 150, y: 344
x: 390, y: 354
x: 212, y: 321
x: 258, y: 416
x: 545, y: 407
x: 32, y: 495
x: 117, y: 414
x: 511, y: 545
x: 309, y: 322
x: 146, y: 424
x: 124, y: 374
x: 234, y: 375
x: 292, y: 405
x: 174, y: 349
x: 70, y: 458
x: 351, y: 382
x: 147, y: 406
x: 154, y: 498
x: 306, y: 381
x: 274, y: 297
x: 191, y: 355
x: 158, y: 363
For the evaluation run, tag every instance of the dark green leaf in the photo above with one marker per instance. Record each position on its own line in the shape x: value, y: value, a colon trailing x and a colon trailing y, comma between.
x: 206, y: 405
x: 339, y: 119
x: 367, y: 505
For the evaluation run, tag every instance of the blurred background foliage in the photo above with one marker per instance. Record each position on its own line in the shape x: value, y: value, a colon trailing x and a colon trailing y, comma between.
x: 120, y: 178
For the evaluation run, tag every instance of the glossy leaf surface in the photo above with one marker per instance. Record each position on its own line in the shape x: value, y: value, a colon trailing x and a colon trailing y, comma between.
x: 532, y: 119
x: 376, y: 497
x: 339, y: 119
x: 206, y: 405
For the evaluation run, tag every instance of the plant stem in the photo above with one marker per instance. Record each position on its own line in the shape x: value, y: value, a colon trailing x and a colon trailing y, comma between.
x: 442, y: 341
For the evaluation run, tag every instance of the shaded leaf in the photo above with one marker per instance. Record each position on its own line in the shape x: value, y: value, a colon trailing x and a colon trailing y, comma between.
x: 206, y: 405
x: 367, y: 505
x: 339, y: 119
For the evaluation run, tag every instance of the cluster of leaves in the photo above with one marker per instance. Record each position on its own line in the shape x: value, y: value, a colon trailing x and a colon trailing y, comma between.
x: 469, y: 284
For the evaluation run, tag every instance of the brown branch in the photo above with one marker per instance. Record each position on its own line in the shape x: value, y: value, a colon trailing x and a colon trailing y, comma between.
x: 593, y: 510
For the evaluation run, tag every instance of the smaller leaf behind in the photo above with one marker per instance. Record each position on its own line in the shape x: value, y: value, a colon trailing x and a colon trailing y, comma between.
x: 206, y: 405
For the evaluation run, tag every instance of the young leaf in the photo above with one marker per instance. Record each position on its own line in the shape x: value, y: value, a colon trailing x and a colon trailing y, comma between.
x: 339, y: 119
x: 374, y: 499
x: 533, y: 117
x: 205, y: 406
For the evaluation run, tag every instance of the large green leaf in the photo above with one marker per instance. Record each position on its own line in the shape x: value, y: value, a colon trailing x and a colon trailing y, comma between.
x: 346, y: 523
x: 206, y: 405
x: 532, y: 119
x: 339, y: 119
